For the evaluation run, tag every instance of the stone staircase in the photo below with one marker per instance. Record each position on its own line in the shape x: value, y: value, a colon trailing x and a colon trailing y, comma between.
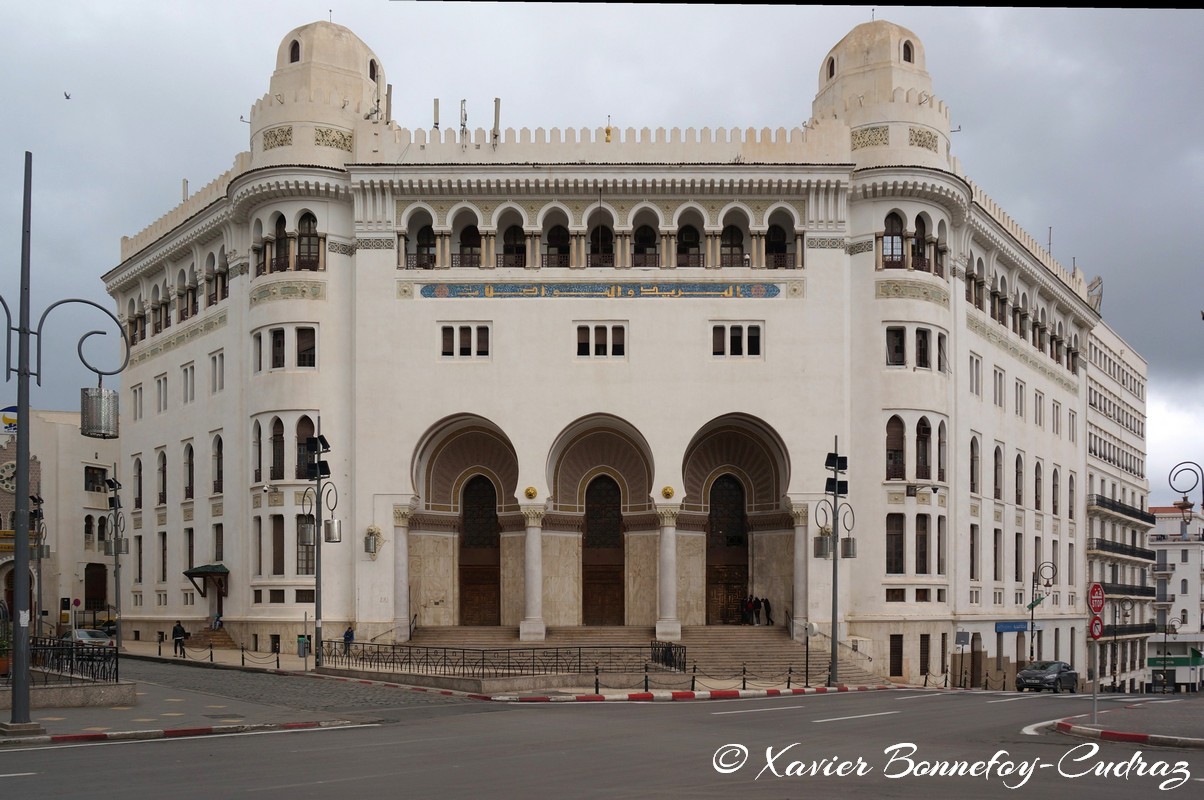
x: 718, y: 651
x: 205, y: 637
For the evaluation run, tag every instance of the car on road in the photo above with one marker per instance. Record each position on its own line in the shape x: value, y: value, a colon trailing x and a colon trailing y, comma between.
x: 88, y: 637
x: 1052, y: 675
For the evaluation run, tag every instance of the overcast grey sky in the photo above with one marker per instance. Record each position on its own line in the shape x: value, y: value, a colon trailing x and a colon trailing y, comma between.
x: 1087, y: 122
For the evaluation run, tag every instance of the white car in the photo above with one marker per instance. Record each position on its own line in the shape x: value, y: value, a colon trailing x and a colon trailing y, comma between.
x: 87, y: 636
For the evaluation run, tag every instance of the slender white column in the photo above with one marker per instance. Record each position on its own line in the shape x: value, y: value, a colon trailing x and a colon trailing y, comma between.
x: 668, y: 626
x: 799, y: 607
x: 532, y: 627
x: 401, y: 573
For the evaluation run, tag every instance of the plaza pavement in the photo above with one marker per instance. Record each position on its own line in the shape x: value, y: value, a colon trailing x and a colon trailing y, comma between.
x: 167, y: 712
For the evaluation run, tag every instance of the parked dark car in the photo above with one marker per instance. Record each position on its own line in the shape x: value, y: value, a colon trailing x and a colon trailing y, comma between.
x: 1052, y: 675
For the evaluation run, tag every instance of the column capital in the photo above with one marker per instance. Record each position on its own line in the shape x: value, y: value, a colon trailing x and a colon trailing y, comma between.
x: 667, y: 514
x: 799, y: 513
x: 534, y: 514
x: 402, y: 514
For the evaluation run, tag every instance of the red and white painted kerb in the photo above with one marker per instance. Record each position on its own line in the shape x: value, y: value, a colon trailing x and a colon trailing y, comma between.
x: 666, y: 695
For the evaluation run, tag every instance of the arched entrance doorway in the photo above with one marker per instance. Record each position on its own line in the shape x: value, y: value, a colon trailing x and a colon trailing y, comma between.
x: 602, y: 554
x: 727, y: 551
x: 480, y: 554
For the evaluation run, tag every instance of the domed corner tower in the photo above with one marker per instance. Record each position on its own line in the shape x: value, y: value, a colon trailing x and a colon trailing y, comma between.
x: 328, y: 85
x: 875, y: 81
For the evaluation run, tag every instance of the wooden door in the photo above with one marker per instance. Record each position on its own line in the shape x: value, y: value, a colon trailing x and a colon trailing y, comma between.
x: 602, y: 594
x: 480, y: 596
x: 727, y: 587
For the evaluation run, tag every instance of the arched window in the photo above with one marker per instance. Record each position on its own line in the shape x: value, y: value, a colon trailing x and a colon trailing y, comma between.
x: 277, y: 471
x: 602, y: 247
x: 219, y: 465
x: 309, y: 244
x: 137, y: 483
x: 727, y: 520
x: 731, y: 247
x: 892, y: 243
x: 998, y: 473
x: 896, y: 460
x: 372, y: 70
x: 1019, y: 480
x: 280, y: 252
x: 1038, y: 486
x: 941, y: 452
x: 305, y: 431
x: 89, y: 530
x: 908, y: 55
x: 923, y: 450
x: 470, y: 248
x: 689, y: 251
x: 189, y: 472
x: 257, y: 452
x: 831, y: 68
x: 603, y: 514
x: 974, y: 466
x: 1053, y: 500
x: 514, y: 247
x: 1070, y: 497
x: 102, y: 528
x: 294, y: 52
x: 424, y: 248
x: 644, y: 247
x: 162, y: 475
x: 479, y: 526
x: 775, y: 248
x: 919, y: 246
x: 557, y: 247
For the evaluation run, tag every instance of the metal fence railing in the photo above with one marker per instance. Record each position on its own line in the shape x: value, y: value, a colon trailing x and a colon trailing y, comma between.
x: 57, y: 661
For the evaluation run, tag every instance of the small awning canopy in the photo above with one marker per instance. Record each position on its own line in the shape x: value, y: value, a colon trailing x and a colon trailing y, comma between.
x: 209, y: 573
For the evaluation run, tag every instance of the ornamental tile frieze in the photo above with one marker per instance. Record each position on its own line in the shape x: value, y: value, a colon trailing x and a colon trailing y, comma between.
x: 161, y: 344
x: 919, y: 137
x: 877, y: 136
x: 288, y: 290
x: 278, y: 137
x: 860, y: 247
x: 825, y: 243
x: 332, y: 137
x: 997, y: 335
x: 912, y: 290
x: 340, y: 248
x: 375, y: 244
x: 448, y: 291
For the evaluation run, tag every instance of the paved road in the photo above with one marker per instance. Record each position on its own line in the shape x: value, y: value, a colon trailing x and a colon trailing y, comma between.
x: 450, y: 749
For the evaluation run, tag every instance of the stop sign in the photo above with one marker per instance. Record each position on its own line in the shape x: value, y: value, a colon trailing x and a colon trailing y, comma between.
x: 1097, y: 627
x: 1095, y: 598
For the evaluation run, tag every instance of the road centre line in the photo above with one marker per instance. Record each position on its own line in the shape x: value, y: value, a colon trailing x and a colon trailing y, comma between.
x: 926, y: 694
x: 755, y: 710
x: 858, y: 716
x: 1014, y: 699
x: 18, y: 774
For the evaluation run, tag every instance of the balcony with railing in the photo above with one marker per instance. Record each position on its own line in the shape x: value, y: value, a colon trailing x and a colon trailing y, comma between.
x: 645, y: 260
x: 687, y: 260
x: 555, y: 260
x: 1127, y: 590
x: 607, y: 261
x: 217, y: 486
x: 466, y: 260
x: 420, y: 261
x: 1164, y: 598
x: 779, y: 261
x: 1116, y: 507
x: 1163, y: 567
x: 511, y: 260
x: 1129, y: 629
x: 1120, y: 549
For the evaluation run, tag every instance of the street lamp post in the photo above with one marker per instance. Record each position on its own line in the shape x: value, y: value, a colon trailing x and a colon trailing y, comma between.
x: 98, y: 419
x: 117, y: 546
x: 1045, y: 572
x: 1170, y: 628
x: 37, y: 552
x: 841, y: 516
x: 1120, y: 608
x: 315, y: 497
x: 1179, y: 477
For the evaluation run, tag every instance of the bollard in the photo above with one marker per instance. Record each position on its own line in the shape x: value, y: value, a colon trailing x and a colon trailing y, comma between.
x: 242, y: 652
x: 277, y: 659
x: 925, y: 680
x: 211, y: 652
x: 645, y: 676
x: 597, y: 686
x: 743, y: 676
x: 789, y: 673
x: 694, y: 676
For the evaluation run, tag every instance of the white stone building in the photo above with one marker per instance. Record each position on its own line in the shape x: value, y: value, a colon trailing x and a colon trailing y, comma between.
x: 1117, y: 496
x: 68, y: 472
x: 590, y: 377
x: 1177, y: 649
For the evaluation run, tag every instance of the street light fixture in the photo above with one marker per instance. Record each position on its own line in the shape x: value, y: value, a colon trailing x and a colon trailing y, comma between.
x: 117, y: 546
x: 38, y: 551
x: 312, y: 501
x: 841, y: 516
x: 1120, y: 608
x: 1170, y: 628
x: 98, y: 419
x: 1045, y: 572
x: 1181, y: 474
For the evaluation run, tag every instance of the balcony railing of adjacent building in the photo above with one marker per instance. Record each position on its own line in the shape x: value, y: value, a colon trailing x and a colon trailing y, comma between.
x: 1100, y: 501
x: 1174, y: 537
x: 1121, y: 549
x: 1167, y: 566
x: 1131, y: 590
x: 217, y: 486
x: 1164, y: 597
x: 1129, y: 629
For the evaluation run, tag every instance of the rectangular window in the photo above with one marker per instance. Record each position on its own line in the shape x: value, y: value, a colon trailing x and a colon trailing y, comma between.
x: 1000, y: 382
x: 923, y: 595
x: 598, y: 340
x: 1039, y: 409
x: 925, y: 644
x: 277, y: 521
x: 942, y: 352
x: 1072, y: 425
x: 189, y: 544
x: 188, y: 383
x: 975, y: 375
x: 257, y: 525
x: 895, y: 563
x: 974, y: 572
x: 1070, y: 567
x: 217, y: 372
x: 1055, y: 418
x: 277, y: 335
x: 1018, y: 573
x: 307, y: 347
x: 736, y: 340
x: 161, y: 394
x: 94, y: 479
x: 922, y: 544
x: 997, y: 551
x: 137, y: 559
x: 162, y: 556
x: 305, y: 552
x: 923, y: 359
x: 896, y: 347
x: 940, y: 545
x: 136, y: 401
x: 275, y: 595
x: 305, y: 595
x: 258, y: 596
x: 219, y: 543
x: 464, y: 341
x: 1020, y: 399
x: 896, y: 595
x: 257, y: 352
x: 896, y: 654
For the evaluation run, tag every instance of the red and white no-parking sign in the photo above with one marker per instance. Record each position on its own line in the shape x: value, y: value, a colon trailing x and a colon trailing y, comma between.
x: 1097, y: 626
x: 1095, y: 598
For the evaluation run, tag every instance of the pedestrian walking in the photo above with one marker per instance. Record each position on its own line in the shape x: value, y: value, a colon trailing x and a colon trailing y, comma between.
x: 746, y: 611
x: 177, y: 638
x: 768, y: 610
x: 756, y: 611
x: 348, y: 638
